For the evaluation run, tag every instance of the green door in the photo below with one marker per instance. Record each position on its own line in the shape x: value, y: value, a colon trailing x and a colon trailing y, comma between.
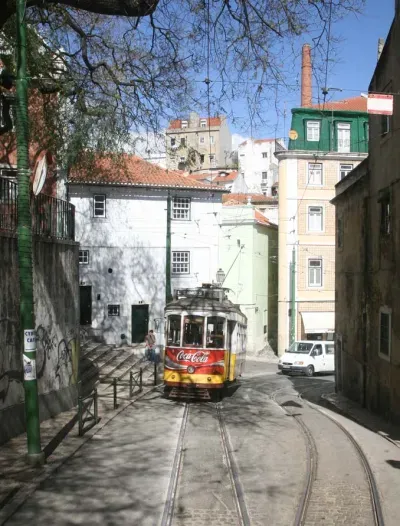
x: 140, y: 322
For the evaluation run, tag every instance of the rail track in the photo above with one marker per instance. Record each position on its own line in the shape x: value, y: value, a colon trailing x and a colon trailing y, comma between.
x: 237, y: 488
x: 312, y: 460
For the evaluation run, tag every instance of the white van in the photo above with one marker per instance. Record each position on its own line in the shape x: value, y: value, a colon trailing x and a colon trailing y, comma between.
x: 308, y: 357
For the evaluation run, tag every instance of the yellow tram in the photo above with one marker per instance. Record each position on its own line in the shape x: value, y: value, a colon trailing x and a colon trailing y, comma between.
x: 205, y: 342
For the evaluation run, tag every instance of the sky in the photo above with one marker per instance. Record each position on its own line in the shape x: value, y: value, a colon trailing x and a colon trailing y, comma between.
x: 356, y: 61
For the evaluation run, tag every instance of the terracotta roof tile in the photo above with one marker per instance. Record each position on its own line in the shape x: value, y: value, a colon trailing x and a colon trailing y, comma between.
x: 255, y: 198
x: 351, y: 104
x: 225, y: 178
x: 257, y: 141
x: 260, y: 218
x: 176, y: 124
x: 131, y: 170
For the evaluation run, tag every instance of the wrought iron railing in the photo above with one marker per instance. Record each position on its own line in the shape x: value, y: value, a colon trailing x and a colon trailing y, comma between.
x: 51, y: 217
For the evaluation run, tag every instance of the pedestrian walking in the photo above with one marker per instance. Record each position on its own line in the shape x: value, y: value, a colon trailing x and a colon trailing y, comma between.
x: 150, y: 340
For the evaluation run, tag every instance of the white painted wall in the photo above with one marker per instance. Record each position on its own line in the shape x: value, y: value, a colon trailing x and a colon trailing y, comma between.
x: 252, y: 164
x: 131, y: 241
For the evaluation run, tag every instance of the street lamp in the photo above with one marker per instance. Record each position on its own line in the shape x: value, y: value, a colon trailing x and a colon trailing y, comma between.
x: 220, y: 276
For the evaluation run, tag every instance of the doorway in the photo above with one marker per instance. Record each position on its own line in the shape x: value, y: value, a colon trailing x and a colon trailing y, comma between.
x: 85, y: 300
x: 140, y: 322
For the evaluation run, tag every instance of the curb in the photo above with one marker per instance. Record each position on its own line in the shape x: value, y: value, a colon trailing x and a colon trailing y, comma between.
x: 337, y: 409
x: 14, y: 501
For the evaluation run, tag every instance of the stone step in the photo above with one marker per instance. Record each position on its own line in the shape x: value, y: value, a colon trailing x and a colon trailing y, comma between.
x: 122, y: 369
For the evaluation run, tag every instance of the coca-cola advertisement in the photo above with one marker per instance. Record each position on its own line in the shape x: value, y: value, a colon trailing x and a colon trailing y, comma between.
x: 198, y: 361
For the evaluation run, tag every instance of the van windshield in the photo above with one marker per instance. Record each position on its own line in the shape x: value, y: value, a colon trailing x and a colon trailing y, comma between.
x: 300, y: 348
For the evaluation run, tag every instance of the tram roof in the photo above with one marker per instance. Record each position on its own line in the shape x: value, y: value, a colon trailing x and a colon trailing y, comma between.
x: 205, y: 304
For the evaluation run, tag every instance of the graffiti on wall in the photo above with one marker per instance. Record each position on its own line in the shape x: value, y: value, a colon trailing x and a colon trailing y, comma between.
x: 56, y: 361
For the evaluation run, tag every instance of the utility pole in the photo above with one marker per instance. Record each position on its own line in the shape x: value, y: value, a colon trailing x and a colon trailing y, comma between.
x: 168, y: 294
x: 292, y: 335
x: 27, y: 318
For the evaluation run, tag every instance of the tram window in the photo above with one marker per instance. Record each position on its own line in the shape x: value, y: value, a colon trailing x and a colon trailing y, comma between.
x: 193, y: 331
x: 215, y: 332
x: 174, y: 330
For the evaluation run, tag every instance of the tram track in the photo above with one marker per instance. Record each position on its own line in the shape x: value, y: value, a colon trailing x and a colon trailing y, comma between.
x: 312, y: 459
x: 169, y: 514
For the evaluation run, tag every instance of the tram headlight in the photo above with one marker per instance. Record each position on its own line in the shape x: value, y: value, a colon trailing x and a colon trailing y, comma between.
x: 209, y: 378
x: 298, y: 363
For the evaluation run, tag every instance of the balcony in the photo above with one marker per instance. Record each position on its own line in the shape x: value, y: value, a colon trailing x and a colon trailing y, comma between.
x: 51, y: 217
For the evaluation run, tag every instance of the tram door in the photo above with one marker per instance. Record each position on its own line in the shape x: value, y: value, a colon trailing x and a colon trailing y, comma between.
x: 230, y: 329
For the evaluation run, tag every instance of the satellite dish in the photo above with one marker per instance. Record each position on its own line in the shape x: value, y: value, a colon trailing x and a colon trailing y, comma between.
x: 40, y: 175
x: 293, y: 135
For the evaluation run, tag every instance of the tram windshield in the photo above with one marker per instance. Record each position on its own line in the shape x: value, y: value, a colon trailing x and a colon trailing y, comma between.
x: 174, y: 330
x: 193, y: 331
x: 215, y: 332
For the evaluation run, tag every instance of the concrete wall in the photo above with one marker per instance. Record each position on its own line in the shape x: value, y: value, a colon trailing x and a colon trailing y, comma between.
x: 131, y: 242
x: 56, y: 299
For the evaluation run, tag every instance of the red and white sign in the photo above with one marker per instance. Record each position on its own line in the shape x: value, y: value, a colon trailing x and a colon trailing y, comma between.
x: 380, y: 104
x: 199, y: 361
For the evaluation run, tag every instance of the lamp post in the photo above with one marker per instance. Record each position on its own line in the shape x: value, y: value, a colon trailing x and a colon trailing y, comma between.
x: 27, y: 318
x: 220, y: 276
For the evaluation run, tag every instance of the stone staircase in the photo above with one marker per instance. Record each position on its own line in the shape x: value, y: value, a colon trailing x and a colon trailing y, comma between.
x: 102, y: 364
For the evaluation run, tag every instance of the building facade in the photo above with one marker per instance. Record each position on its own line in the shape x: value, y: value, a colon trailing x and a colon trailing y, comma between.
x: 258, y: 164
x: 198, y: 143
x: 328, y: 141
x: 367, y: 256
x: 249, y: 243
x: 121, y: 224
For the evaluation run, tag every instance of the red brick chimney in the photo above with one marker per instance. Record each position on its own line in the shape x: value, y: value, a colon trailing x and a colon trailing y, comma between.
x: 306, y: 77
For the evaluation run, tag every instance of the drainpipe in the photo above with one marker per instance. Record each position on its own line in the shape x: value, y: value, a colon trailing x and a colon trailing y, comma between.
x: 292, y: 335
x: 25, y: 260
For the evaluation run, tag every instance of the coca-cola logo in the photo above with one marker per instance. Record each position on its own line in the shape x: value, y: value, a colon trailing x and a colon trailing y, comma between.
x: 196, y: 357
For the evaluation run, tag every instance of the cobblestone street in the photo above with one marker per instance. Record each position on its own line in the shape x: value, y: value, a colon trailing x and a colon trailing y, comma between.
x: 256, y: 474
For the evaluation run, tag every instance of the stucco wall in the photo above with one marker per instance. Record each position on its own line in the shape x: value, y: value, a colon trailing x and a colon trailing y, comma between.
x: 131, y: 242
x: 57, y: 323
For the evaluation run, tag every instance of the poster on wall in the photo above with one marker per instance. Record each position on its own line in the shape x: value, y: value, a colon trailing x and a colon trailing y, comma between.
x: 29, y: 368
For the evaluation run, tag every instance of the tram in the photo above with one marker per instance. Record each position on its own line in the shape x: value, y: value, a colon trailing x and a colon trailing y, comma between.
x: 205, y: 343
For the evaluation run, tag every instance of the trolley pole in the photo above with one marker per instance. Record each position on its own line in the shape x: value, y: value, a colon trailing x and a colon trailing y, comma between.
x: 292, y: 335
x: 168, y: 293
x: 25, y: 261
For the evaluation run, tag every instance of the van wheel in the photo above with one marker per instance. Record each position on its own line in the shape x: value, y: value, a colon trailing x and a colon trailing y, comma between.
x: 310, y: 370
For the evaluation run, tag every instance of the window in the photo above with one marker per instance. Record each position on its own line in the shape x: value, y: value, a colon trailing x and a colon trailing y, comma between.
x: 315, y: 219
x: 184, y: 124
x: 385, y: 329
x: 173, y: 141
x: 174, y: 330
x: 99, y: 206
x: 183, y: 141
x: 180, y: 262
x: 181, y: 208
x: 313, y: 130
x: 386, y: 226
x: 211, y: 139
x: 84, y: 257
x: 343, y: 137
x: 344, y: 170
x: 215, y: 332
x: 113, y: 310
x: 182, y: 159
x: 201, y: 140
x: 203, y: 123
x: 366, y: 131
x: 315, y: 174
x: 315, y: 272
x: 202, y: 158
x: 264, y: 155
x: 330, y: 348
x: 193, y: 331
x: 339, y: 233
x: 264, y: 176
x: 385, y: 124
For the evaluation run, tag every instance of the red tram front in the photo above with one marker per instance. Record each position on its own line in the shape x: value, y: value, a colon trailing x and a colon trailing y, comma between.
x: 205, y: 342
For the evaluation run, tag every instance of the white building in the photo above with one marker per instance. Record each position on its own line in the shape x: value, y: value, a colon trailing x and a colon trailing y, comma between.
x: 121, y: 224
x: 258, y: 165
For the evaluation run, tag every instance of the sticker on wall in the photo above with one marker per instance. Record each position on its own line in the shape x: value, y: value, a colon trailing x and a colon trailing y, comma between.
x: 30, y: 340
x: 29, y: 368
